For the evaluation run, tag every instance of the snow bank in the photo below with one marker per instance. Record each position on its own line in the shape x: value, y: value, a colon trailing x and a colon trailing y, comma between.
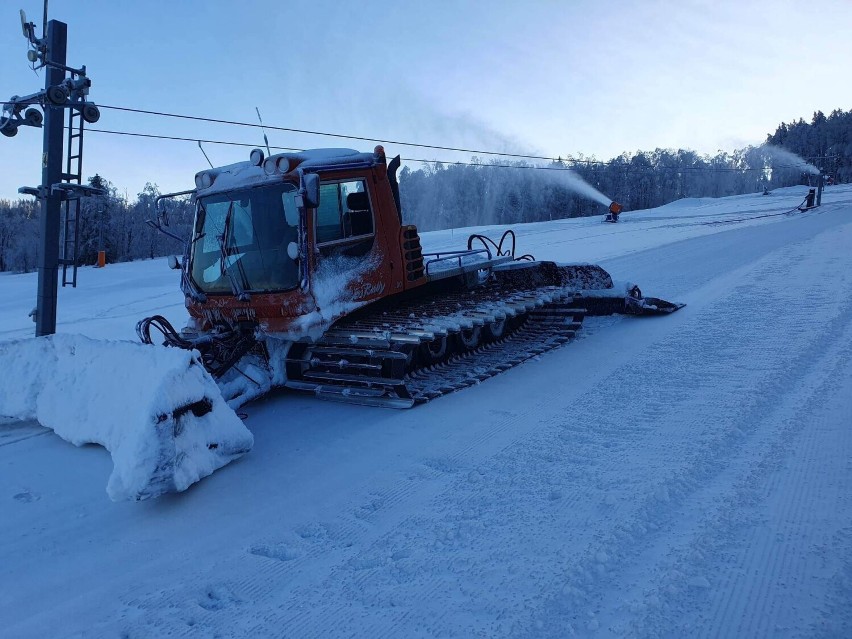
x: 157, y: 411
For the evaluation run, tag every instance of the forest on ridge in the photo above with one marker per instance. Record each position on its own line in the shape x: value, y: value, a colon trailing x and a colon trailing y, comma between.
x: 480, y: 192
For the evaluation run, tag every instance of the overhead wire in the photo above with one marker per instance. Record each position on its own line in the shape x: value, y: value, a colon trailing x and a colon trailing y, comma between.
x: 409, y: 144
x: 572, y: 162
x: 343, y: 136
x: 184, y: 139
x: 627, y: 167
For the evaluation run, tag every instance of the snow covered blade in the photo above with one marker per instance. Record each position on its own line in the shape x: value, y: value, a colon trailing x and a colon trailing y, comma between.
x: 651, y: 306
x: 156, y: 410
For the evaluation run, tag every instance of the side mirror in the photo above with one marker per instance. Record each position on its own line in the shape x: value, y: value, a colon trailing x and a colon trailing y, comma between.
x: 309, y: 190
x: 163, y: 216
x: 174, y: 262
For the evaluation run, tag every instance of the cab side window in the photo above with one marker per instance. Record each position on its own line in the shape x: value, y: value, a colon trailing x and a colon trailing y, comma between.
x: 344, y: 213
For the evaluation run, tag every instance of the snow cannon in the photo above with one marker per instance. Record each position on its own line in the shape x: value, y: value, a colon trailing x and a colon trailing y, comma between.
x: 613, y: 212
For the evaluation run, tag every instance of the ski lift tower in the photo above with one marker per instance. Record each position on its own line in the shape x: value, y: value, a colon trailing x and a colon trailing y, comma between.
x: 65, y: 89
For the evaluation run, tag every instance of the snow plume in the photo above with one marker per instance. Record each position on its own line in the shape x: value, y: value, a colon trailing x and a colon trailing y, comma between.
x: 155, y: 409
x: 571, y: 180
x: 393, y: 113
x: 405, y: 110
x: 466, y: 130
x: 782, y: 158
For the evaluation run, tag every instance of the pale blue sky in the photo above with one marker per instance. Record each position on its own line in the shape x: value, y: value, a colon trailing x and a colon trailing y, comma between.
x: 547, y: 77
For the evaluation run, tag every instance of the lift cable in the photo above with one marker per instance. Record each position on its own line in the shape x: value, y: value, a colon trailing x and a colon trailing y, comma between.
x: 369, y: 139
x: 327, y: 134
x: 394, y: 142
x: 646, y: 169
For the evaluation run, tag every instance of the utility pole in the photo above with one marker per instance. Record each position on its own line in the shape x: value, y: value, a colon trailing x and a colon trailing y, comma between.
x: 60, y: 93
x: 820, y: 182
x: 51, y: 173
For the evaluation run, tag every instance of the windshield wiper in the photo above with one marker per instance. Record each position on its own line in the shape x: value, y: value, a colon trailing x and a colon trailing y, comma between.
x: 199, y: 224
x: 237, y: 287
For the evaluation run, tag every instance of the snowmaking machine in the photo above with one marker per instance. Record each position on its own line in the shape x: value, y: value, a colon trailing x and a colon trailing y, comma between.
x: 613, y: 212
x: 301, y: 273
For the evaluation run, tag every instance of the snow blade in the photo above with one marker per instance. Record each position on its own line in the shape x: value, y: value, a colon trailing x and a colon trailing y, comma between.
x: 652, y: 306
x: 156, y: 410
x: 593, y: 287
x: 624, y: 298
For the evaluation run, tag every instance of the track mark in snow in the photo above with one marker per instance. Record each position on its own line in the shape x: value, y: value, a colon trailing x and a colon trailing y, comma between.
x: 26, y: 497
x: 216, y: 598
x: 14, y: 431
x: 345, y: 539
x: 526, y: 525
x: 745, y: 566
x: 794, y: 499
x: 837, y: 614
x: 281, y: 552
x: 690, y: 413
x: 442, y: 465
x: 369, y: 509
x: 803, y: 371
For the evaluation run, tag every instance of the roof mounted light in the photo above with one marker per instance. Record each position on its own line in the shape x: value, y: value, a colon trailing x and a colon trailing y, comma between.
x: 204, y: 180
x: 256, y: 157
x: 284, y: 164
x: 270, y: 166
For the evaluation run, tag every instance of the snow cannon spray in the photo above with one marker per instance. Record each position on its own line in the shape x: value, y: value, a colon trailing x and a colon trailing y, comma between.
x: 613, y: 212
x: 786, y: 159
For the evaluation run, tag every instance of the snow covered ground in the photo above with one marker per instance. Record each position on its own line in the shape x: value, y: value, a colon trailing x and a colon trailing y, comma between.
x: 679, y: 476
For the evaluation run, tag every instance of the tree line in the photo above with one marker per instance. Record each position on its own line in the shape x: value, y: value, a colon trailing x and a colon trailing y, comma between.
x: 439, y: 196
x: 477, y: 193
x: 108, y: 222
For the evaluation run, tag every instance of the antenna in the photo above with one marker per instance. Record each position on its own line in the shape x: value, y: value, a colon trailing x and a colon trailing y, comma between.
x: 205, y: 155
x: 28, y: 28
x: 38, y: 47
x: 265, y: 139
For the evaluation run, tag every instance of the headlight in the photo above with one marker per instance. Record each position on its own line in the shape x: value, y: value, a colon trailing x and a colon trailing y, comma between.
x: 204, y: 180
x: 256, y: 157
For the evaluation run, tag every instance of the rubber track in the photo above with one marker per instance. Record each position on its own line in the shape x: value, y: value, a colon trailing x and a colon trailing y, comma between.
x: 351, y: 362
x: 538, y: 335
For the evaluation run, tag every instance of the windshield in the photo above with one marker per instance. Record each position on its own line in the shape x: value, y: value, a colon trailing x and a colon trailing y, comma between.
x: 241, y: 240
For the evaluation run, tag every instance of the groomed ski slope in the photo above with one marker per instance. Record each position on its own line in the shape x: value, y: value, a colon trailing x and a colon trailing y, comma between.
x: 679, y: 476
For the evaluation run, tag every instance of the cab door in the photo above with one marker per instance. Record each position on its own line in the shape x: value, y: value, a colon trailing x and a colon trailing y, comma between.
x: 350, y: 265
